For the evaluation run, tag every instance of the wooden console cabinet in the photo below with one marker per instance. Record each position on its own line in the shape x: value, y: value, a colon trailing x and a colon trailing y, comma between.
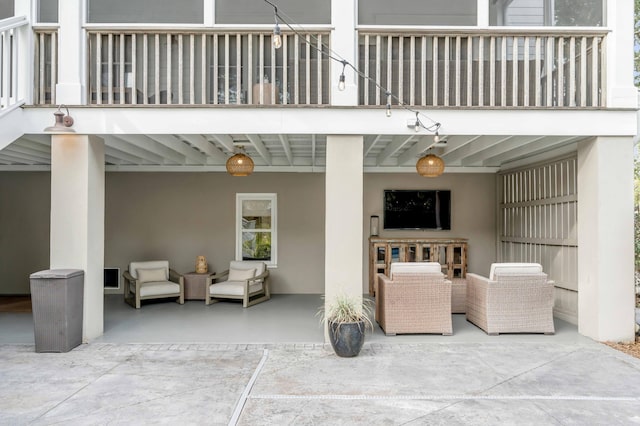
x: 451, y: 253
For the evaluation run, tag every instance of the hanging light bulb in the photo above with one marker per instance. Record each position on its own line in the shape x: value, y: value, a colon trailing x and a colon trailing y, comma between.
x: 436, y: 137
x: 341, y: 83
x: 388, y: 103
x: 388, y: 110
x: 417, y: 126
x: 277, y: 37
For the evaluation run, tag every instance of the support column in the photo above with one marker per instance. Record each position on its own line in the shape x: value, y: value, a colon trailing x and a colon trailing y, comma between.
x: 77, y: 219
x: 620, y: 92
x: 70, y: 86
x: 344, y: 39
x: 343, y: 218
x: 606, y: 301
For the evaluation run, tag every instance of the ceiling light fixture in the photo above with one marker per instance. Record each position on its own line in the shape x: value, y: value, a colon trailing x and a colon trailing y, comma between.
x: 240, y: 164
x: 63, y: 122
x: 430, y: 166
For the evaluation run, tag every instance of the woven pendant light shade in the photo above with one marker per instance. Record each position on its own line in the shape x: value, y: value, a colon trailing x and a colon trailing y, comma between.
x: 240, y: 165
x: 430, y: 166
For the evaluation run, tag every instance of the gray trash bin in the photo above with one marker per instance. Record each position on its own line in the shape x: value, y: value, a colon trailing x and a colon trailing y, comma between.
x: 57, y: 298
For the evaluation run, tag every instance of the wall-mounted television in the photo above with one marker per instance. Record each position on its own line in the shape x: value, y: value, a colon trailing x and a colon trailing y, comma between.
x: 417, y: 209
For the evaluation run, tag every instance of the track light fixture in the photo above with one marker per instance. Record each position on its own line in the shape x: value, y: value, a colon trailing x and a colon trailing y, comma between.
x: 63, y: 122
x: 388, y: 93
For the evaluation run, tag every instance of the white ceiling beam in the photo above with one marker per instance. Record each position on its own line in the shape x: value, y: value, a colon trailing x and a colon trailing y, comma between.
x: 116, y: 153
x: 260, y: 147
x: 457, y: 142
x: 369, y: 142
x: 31, y: 153
x: 17, y: 153
x: 36, y: 146
x: 394, y: 146
x: 4, y: 154
x: 483, y: 142
x: 516, y: 141
x: 180, y: 147
x: 411, y: 155
x: 287, y: 148
x: 131, y: 149
x: 529, y: 150
x: 214, y: 155
x: 225, y: 140
x: 145, y: 143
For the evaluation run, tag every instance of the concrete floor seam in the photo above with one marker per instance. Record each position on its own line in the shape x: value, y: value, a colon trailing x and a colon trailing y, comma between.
x: 450, y: 397
x: 245, y: 394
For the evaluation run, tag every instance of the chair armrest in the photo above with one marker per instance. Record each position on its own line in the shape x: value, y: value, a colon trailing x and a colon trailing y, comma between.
x: 174, y: 276
x: 127, y: 276
x: 260, y: 277
x: 217, y: 276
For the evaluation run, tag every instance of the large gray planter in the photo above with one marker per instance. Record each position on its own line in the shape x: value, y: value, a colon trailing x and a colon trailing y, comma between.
x: 347, y: 338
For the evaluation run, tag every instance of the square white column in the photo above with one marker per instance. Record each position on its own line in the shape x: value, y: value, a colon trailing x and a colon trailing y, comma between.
x: 343, y: 218
x: 606, y: 300
x: 77, y: 219
x: 344, y: 42
x: 71, y: 53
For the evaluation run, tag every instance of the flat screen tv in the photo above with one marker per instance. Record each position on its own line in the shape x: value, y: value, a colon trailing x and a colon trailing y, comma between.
x: 417, y: 209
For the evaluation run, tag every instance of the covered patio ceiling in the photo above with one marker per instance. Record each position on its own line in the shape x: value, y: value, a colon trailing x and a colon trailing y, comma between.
x: 294, y: 152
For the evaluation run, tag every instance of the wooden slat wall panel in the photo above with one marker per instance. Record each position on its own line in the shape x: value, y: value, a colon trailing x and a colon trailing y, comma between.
x: 538, y: 223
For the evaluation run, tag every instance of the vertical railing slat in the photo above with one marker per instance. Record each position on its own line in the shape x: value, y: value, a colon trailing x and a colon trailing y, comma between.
x: 169, y: 83
x: 41, y: 69
x: 481, y: 71
x: 239, y: 68
x: 145, y: 69
x: 515, y: 77
x: 412, y: 70
x: 400, y: 88
x: 470, y: 70
x: 296, y: 67
x: 307, y: 74
x: 121, y: 68
x: 492, y: 72
x: 435, y: 70
x: 156, y: 63
x: 423, y: 72
x: 378, y: 67
x: 572, y: 71
x: 192, y: 68
x: 203, y: 69
x: 549, y: 71
x: 458, y: 72
x: 365, y: 81
x: 560, y: 68
x: 110, y: 69
x: 595, y: 80
x: 285, y: 70
x: 503, y: 71
x: 538, y: 74
x: 526, y: 71
x: 319, y: 69
x: 389, y: 63
x: 98, y: 65
x: 134, y: 70
x: 227, y: 69
x: 446, y: 60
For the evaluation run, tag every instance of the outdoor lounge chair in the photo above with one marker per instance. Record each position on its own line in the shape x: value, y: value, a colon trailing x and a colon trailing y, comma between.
x: 244, y: 280
x: 152, y: 280
x: 415, y: 298
x: 516, y: 298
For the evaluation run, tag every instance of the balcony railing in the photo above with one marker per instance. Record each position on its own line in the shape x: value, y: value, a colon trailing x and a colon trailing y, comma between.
x: 502, y: 68
x: 152, y: 68
x: 11, y: 48
x: 480, y: 69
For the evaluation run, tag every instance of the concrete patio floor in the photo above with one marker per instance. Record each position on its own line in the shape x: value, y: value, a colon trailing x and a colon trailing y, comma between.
x: 468, y: 378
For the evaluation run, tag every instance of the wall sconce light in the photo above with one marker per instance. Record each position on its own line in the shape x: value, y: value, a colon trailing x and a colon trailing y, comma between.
x: 374, y: 226
x: 240, y: 164
x: 63, y: 122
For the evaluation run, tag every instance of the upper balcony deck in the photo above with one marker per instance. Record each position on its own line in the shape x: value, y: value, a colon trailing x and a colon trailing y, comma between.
x: 471, y: 68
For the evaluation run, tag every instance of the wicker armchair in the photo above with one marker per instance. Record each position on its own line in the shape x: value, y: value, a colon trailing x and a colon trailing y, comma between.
x: 516, y: 298
x: 414, y: 299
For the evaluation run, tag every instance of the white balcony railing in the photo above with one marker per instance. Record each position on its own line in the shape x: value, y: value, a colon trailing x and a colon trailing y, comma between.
x: 12, y: 87
x: 481, y: 69
x: 135, y: 67
x: 476, y: 68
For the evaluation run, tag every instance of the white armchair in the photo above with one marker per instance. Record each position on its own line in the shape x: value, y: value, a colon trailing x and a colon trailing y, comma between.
x: 244, y: 280
x: 152, y: 280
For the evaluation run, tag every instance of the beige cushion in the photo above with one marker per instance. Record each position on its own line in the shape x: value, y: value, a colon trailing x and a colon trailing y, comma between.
x: 414, y: 268
x: 159, y: 288
x: 241, y: 274
x: 151, y: 275
x: 149, y: 264
x: 513, y: 268
x: 258, y: 265
x: 232, y: 288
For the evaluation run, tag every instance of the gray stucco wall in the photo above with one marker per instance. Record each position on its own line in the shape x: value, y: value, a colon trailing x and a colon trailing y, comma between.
x: 179, y: 216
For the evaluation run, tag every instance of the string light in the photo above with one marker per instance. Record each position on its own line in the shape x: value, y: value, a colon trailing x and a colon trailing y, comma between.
x: 277, y: 34
x: 341, y: 83
x: 434, y: 127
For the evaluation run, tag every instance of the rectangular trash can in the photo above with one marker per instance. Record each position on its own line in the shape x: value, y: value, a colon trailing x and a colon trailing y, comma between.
x: 57, y: 301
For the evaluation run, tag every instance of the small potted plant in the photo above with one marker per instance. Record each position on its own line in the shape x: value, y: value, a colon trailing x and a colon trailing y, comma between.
x: 347, y: 319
